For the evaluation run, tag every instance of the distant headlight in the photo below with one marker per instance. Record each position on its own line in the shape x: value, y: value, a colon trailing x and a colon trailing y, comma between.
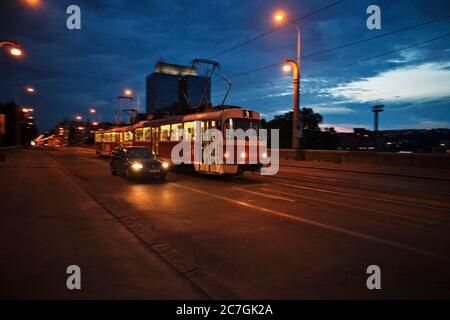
x: 137, y: 166
x: 264, y: 155
x: 165, y: 165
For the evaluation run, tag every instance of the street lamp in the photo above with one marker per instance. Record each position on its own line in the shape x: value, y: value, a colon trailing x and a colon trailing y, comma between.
x: 288, y: 66
x: 15, y: 49
x: 78, y: 118
x: 30, y: 90
x: 279, y: 17
x: 128, y: 92
x: 92, y: 110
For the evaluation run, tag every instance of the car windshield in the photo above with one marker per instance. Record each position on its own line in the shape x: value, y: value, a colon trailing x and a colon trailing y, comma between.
x: 140, y: 153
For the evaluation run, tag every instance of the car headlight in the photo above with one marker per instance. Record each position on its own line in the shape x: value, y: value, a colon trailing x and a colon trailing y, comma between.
x: 137, y: 166
x: 165, y: 165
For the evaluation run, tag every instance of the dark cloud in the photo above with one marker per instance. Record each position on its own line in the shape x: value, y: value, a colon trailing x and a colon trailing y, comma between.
x: 121, y: 40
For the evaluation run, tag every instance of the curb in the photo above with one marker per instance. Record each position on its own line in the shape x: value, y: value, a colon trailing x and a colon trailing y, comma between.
x: 368, y: 172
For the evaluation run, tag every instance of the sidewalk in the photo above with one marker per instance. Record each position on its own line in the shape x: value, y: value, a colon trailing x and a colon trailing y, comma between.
x: 370, y: 169
x: 48, y: 223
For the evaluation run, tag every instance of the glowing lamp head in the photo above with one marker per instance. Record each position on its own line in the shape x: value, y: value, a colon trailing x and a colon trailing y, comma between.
x: 165, y: 165
x: 279, y: 17
x: 33, y: 3
x: 128, y: 92
x: 15, y: 51
x: 287, y: 68
x: 78, y: 117
x: 92, y: 110
x: 30, y: 90
x: 95, y: 123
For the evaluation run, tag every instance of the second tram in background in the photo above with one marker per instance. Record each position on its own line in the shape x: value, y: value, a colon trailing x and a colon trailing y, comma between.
x: 161, y: 135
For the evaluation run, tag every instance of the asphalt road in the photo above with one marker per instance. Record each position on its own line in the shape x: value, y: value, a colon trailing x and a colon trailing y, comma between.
x: 304, y: 233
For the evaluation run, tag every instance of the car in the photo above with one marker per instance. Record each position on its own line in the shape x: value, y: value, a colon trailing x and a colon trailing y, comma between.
x: 134, y: 162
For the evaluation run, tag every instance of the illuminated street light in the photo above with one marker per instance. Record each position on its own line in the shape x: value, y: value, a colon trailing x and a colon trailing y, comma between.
x: 30, y: 90
x: 92, y: 110
x: 15, y: 49
x: 95, y: 123
x: 15, y: 52
x: 128, y: 92
x: 287, y: 68
x: 279, y: 16
x: 297, y: 124
x: 78, y: 117
x: 32, y: 3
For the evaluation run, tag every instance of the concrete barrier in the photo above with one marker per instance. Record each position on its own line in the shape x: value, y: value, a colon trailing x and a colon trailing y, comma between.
x: 414, y: 160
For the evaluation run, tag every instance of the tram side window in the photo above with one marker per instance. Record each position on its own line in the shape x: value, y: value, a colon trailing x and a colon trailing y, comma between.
x: 147, y: 134
x: 165, y: 133
x: 175, y: 131
x: 98, y: 137
x: 127, y: 136
x: 139, y: 134
x: 189, y: 129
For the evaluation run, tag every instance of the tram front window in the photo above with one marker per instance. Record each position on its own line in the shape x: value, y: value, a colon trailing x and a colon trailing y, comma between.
x: 243, y: 124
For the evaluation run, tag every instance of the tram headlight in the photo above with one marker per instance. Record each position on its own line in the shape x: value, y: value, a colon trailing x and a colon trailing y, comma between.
x: 243, y: 155
x: 137, y: 166
x: 264, y: 155
x: 165, y: 165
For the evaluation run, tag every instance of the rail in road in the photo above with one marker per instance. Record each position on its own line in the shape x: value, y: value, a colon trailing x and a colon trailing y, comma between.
x: 300, y: 234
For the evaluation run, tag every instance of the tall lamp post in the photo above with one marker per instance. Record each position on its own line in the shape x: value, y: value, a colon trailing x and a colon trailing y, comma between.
x: 292, y: 65
x: 15, y: 50
x: 297, y: 121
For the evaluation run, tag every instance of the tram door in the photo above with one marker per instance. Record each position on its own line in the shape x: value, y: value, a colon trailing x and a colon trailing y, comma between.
x: 209, y: 167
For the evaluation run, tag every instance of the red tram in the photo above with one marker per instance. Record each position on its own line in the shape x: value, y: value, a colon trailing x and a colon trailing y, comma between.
x: 161, y: 135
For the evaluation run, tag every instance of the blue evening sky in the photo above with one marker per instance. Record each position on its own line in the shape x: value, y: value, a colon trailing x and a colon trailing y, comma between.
x: 121, y: 40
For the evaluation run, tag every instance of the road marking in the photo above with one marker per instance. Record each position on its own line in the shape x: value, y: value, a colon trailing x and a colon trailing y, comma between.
x: 365, y: 197
x: 265, y: 195
x: 334, y: 203
x: 320, y: 225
